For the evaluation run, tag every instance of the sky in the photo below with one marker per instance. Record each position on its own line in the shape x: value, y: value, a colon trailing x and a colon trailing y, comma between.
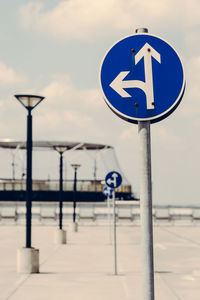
x: 55, y: 48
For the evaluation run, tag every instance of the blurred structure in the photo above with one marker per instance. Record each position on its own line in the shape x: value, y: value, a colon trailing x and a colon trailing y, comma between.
x: 96, y: 161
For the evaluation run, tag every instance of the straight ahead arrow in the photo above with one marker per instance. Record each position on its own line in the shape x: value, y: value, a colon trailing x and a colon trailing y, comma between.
x: 119, y: 84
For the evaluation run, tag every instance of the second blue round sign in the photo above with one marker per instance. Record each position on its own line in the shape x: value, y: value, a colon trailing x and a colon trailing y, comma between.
x: 142, y: 78
x: 113, y: 179
x: 107, y: 191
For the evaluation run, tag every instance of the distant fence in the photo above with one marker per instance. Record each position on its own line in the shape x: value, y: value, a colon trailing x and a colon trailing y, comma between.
x: 43, y: 212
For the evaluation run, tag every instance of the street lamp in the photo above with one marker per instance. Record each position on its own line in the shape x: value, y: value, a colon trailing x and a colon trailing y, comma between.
x: 29, y: 102
x: 75, y: 166
x: 61, y: 149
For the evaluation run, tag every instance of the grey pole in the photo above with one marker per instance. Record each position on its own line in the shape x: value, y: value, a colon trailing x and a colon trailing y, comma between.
x: 109, y: 219
x: 29, y: 179
x: 146, y: 210
x: 114, y: 234
x: 146, y: 206
x: 61, y: 192
x: 74, y: 199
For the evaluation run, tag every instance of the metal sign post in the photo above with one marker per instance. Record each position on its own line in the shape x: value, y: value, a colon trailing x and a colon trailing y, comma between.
x: 109, y: 219
x: 142, y: 80
x: 144, y: 131
x: 107, y: 191
x: 114, y: 234
x: 113, y: 180
x: 146, y: 210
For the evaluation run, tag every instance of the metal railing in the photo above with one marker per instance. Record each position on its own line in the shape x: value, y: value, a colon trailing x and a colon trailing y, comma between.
x: 125, y: 211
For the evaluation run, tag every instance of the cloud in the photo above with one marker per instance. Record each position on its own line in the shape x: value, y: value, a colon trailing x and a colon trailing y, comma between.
x: 62, y: 91
x: 8, y: 76
x: 60, y: 87
x: 164, y: 137
x: 191, y: 104
x: 161, y: 137
x: 129, y: 134
x: 83, y: 19
x: 68, y: 110
x: 54, y: 119
x: 78, y: 119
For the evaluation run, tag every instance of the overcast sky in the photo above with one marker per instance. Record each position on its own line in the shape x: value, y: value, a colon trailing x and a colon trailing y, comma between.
x: 54, y: 48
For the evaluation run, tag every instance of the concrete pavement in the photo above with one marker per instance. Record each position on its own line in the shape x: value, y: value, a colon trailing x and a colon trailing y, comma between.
x: 83, y: 269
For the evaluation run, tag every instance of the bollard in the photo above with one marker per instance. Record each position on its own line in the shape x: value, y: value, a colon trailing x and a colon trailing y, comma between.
x: 60, y: 236
x: 27, y: 260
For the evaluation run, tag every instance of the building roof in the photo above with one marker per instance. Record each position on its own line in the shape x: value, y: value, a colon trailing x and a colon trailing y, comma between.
x: 50, y: 145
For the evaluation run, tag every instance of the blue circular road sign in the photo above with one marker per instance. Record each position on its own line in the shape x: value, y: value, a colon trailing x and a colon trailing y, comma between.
x: 113, y: 179
x: 142, y: 78
x: 107, y: 191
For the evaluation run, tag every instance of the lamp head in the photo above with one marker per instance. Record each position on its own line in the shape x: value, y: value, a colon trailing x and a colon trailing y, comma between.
x: 60, y: 148
x: 29, y: 101
x: 75, y: 166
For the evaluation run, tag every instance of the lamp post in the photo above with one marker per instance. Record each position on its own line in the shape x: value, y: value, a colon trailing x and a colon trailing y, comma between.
x: 29, y: 102
x: 60, y: 237
x: 75, y: 224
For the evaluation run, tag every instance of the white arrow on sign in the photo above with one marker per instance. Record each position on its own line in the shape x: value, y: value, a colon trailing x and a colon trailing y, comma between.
x: 119, y: 84
x: 114, y: 180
